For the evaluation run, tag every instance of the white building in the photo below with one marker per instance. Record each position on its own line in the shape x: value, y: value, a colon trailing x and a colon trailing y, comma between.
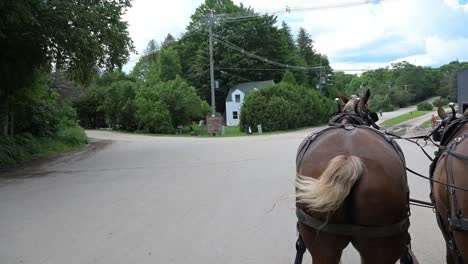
x: 236, y: 97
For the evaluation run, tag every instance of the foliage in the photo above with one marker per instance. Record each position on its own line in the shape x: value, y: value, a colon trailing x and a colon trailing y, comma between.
x: 153, y: 117
x: 73, y: 36
x: 183, y: 104
x: 119, y: 104
x: 25, y: 146
x: 166, y: 68
x: 400, y: 85
x: 41, y: 111
x: 152, y: 114
x: 284, y: 106
x: 440, y: 102
x: 449, y: 79
x: 260, y: 36
x: 425, y: 106
x: 288, y: 77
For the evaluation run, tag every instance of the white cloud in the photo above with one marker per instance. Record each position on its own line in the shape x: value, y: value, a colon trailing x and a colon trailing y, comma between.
x: 424, y: 32
x: 456, y: 5
x: 440, y: 51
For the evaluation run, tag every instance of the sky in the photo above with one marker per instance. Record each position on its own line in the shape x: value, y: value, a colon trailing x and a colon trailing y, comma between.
x: 366, y: 35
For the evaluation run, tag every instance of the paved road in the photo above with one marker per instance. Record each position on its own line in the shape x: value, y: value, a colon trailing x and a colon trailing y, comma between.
x: 139, y: 199
x: 401, y: 111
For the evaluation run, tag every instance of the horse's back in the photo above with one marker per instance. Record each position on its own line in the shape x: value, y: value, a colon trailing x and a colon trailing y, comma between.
x: 380, y: 195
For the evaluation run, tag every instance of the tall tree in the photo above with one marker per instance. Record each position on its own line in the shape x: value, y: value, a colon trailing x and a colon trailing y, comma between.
x: 75, y: 36
x: 312, y: 58
x: 169, y: 40
x: 146, y: 61
x: 151, y: 48
x: 258, y: 35
x: 166, y: 68
x: 306, y: 47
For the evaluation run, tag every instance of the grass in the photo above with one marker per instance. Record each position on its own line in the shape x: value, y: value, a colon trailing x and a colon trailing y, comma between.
x: 201, y: 131
x: 428, y: 123
x: 24, y: 147
x: 404, y: 117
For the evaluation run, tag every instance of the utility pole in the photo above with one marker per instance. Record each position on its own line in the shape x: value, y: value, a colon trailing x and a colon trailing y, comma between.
x: 362, y: 89
x: 320, y: 77
x: 213, y: 107
x: 406, y: 87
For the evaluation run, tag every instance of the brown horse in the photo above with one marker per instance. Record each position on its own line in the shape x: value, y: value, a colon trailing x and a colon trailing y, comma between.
x: 451, y: 204
x: 351, y: 186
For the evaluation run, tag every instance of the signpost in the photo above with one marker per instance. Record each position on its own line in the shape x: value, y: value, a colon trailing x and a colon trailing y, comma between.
x: 214, y: 124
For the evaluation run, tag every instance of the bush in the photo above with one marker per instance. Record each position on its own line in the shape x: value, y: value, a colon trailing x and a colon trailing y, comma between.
x: 162, y: 107
x: 284, y: 106
x: 153, y: 116
x: 37, y: 111
x: 72, y: 136
x: 440, y: 102
x: 119, y: 104
x: 424, y: 106
x: 25, y: 146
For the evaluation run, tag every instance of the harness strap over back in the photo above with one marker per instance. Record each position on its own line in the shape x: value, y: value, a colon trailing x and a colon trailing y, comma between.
x: 354, y: 230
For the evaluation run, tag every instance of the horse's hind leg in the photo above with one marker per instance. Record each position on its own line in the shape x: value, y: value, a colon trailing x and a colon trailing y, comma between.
x: 381, y: 250
x: 324, y: 248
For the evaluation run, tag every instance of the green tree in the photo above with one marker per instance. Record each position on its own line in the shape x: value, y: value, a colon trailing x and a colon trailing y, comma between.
x: 260, y: 36
x: 119, y: 104
x: 306, y: 50
x: 168, y: 41
x: 288, y: 77
x: 76, y: 36
x: 182, y: 101
x: 168, y: 65
x: 284, y: 106
x: 152, y: 113
x: 306, y: 47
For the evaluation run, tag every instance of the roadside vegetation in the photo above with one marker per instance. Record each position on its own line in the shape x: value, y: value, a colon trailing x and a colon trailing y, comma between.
x: 40, y: 41
x: 405, y: 117
x: 44, y: 124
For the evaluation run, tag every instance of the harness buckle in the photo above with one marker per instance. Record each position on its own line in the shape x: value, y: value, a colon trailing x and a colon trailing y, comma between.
x: 452, y: 190
x: 349, y: 127
x: 450, y: 244
x: 312, y: 137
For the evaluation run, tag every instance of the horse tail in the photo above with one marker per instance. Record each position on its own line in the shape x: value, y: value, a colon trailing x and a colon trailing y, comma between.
x: 327, y: 193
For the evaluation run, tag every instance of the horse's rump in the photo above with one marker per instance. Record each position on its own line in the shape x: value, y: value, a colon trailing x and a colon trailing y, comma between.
x: 380, y: 195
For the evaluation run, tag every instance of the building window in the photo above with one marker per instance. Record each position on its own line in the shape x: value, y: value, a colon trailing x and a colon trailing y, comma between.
x: 235, y: 115
x: 237, y: 98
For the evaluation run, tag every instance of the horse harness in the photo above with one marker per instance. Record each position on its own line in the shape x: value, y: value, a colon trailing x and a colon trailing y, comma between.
x: 457, y: 222
x: 356, y: 117
x: 398, y: 228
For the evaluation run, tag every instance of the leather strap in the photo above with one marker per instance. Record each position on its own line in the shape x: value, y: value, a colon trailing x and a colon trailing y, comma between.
x: 354, y: 230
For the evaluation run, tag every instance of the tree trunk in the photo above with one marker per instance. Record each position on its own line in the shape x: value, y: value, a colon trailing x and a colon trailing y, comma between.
x: 11, y: 122
x: 4, y: 115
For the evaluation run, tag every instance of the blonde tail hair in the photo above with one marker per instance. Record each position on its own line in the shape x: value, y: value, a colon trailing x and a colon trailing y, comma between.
x: 327, y: 193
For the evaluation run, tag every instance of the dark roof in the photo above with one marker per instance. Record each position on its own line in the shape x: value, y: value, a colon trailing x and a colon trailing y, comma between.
x: 246, y: 88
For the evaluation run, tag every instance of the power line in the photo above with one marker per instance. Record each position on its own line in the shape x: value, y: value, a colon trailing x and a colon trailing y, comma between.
x: 263, y: 59
x: 288, y: 10
x: 329, y: 6
x: 253, y: 69
x: 186, y: 35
